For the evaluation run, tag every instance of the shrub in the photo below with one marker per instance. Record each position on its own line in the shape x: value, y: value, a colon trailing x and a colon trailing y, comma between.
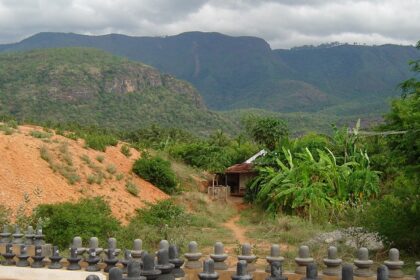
x: 119, y: 177
x: 4, y: 215
x: 165, y: 212
x: 396, y: 216
x: 132, y: 188
x: 91, y: 179
x: 157, y: 171
x: 85, y: 218
x: 125, y: 150
x: 86, y: 159
x: 100, y: 141
x: 111, y: 169
x: 40, y: 134
x: 163, y: 220
x: 100, y: 158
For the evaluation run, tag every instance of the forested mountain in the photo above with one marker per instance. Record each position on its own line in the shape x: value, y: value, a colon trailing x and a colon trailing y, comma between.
x: 91, y: 87
x: 244, y: 72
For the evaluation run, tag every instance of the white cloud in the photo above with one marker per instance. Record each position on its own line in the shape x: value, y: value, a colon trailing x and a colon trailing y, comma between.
x: 283, y: 23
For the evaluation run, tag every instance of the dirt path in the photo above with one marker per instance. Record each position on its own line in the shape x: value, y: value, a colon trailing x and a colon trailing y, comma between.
x: 238, y: 231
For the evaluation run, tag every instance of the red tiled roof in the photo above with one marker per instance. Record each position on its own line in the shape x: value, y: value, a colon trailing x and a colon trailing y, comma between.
x: 240, y: 168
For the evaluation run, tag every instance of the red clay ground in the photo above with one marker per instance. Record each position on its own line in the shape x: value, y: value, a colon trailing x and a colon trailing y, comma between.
x: 28, y: 180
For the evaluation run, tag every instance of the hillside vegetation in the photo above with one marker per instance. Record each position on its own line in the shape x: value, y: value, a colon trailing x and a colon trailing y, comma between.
x: 91, y: 87
x: 244, y: 72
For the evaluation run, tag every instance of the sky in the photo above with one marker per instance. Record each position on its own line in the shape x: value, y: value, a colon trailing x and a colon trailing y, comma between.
x: 282, y: 23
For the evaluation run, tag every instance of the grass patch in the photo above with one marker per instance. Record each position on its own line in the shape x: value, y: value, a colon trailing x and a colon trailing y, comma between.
x: 170, y: 220
x: 100, y: 158
x: 132, y: 188
x: 119, y: 176
x: 85, y: 158
x: 63, y: 168
x: 8, y: 127
x: 125, y: 150
x: 40, y: 134
x: 111, y: 169
x: 95, y: 178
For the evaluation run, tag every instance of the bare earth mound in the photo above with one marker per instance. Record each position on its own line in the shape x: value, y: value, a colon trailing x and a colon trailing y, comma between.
x: 53, y: 169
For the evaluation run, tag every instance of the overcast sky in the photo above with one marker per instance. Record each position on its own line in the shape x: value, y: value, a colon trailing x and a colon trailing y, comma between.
x: 283, y: 23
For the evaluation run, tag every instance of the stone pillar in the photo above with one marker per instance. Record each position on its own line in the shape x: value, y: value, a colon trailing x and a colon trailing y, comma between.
x: 115, y: 274
x: 347, y: 272
x: 137, y: 251
x: 332, y: 262
x: 311, y: 272
x: 94, y: 244
x: 382, y: 273
x: 23, y: 257
x: 29, y: 236
x: 176, y: 261
x: 394, y: 264
x: 92, y: 260
x: 164, y: 265
x: 302, y: 260
x: 193, y: 256
x: 5, y: 235
x: 276, y: 271
x: 274, y: 256
x: 127, y: 259
x: 208, y: 271
x: 77, y: 243
x: 246, y: 255
x: 164, y: 244
x: 134, y: 271
x: 17, y: 236
x: 38, y: 258
x: 363, y: 263
x: 111, y: 259
x: 9, y: 255
x: 219, y: 256
x: 112, y: 244
x: 149, y: 271
x: 241, y: 271
x: 55, y: 259
x: 74, y: 260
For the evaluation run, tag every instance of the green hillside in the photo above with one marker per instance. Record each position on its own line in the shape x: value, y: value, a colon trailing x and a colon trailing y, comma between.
x: 244, y: 72
x: 91, y: 87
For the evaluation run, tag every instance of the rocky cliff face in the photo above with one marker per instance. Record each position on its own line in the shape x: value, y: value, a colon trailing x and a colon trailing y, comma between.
x: 92, y: 87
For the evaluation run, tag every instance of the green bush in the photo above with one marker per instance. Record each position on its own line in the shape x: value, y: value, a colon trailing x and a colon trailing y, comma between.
x: 165, y: 212
x: 85, y: 218
x: 157, y: 171
x: 396, y: 215
x: 163, y: 220
x: 100, y: 141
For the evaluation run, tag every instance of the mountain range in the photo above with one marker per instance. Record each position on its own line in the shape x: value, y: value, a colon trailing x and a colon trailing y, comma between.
x: 244, y: 72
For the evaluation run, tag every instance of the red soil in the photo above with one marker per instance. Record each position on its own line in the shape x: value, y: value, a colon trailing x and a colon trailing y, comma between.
x: 27, y: 180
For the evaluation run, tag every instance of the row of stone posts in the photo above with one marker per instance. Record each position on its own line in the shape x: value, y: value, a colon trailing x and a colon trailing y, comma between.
x: 168, y: 259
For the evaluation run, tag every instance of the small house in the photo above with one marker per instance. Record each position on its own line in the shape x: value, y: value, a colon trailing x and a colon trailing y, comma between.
x: 238, y: 175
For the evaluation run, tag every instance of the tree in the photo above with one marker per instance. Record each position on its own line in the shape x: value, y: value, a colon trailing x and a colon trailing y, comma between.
x: 405, y: 116
x: 266, y: 131
x: 396, y: 217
